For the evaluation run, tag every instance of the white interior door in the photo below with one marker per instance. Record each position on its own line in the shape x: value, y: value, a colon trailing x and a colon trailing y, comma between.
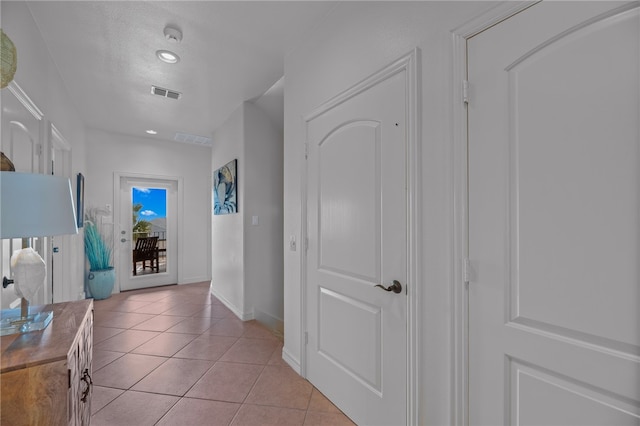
x: 60, y: 268
x: 554, y: 217
x: 159, y: 199
x: 357, y: 234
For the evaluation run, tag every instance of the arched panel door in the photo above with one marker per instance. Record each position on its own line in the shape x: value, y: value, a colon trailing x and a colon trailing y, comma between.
x: 554, y: 217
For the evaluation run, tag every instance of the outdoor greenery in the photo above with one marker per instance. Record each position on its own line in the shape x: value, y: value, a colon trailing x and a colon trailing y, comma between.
x: 141, y: 227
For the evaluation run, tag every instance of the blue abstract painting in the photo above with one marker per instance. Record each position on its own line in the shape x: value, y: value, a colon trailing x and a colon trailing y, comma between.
x: 225, y: 191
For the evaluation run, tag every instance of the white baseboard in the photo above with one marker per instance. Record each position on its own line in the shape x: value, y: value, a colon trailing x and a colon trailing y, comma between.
x: 273, y: 323
x: 192, y: 280
x: 292, y: 361
x: 244, y: 316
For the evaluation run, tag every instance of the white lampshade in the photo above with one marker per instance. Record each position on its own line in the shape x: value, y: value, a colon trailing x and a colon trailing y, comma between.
x: 35, y: 205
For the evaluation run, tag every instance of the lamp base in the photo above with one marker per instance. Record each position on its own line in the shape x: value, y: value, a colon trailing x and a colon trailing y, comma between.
x: 11, y: 322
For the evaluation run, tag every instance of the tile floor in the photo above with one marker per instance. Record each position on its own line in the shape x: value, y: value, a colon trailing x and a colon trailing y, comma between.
x: 176, y: 355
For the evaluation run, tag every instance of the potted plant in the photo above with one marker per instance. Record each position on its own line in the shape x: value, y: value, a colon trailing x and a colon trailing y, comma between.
x: 101, y: 277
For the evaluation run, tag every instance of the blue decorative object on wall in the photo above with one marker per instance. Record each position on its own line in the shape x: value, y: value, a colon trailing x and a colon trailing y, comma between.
x: 225, y: 192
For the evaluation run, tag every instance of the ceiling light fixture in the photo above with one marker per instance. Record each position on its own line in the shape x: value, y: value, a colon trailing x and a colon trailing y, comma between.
x: 173, y: 35
x: 167, y: 56
x: 152, y: 132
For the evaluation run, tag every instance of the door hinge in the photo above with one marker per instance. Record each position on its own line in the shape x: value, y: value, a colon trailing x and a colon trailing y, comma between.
x: 465, y: 91
x: 467, y: 271
x: 39, y: 150
x: 306, y: 338
x: 306, y: 150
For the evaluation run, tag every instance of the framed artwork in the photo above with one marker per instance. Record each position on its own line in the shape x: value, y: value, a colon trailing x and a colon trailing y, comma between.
x: 80, y: 200
x: 225, y: 189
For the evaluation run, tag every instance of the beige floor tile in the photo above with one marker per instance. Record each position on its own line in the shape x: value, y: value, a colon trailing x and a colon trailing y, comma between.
x: 192, y: 326
x: 101, y: 396
x: 129, y: 306
x: 207, y: 347
x: 155, y: 308
x: 103, y: 333
x: 215, y: 310
x: 281, y: 387
x: 102, y: 358
x: 226, y: 382
x: 276, y: 357
x: 251, y: 351
x: 159, y: 323
x: 255, y: 330
x: 174, y: 377
x: 126, y: 371
x: 315, y: 418
x: 165, y: 344
x: 253, y: 415
x: 185, y: 309
x: 200, y: 412
x: 182, y: 341
x: 134, y: 408
x: 126, y: 341
x: 320, y: 403
x: 120, y: 319
x: 228, y: 327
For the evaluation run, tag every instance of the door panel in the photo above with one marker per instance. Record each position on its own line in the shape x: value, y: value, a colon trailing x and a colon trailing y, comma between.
x: 163, y: 226
x: 357, y: 210
x: 554, y: 217
x: 60, y: 268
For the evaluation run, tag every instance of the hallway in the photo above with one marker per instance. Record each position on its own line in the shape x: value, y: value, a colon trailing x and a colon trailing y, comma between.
x: 176, y: 355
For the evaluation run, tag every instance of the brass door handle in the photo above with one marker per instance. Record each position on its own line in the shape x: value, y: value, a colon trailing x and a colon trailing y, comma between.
x: 396, y: 287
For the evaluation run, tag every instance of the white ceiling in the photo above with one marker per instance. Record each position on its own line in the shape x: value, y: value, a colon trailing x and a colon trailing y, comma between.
x: 230, y: 52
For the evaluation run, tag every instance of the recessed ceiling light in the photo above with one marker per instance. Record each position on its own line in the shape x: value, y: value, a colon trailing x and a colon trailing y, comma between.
x: 152, y: 132
x: 167, y: 56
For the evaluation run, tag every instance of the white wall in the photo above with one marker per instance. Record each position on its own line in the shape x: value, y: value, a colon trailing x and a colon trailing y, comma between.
x: 227, y: 231
x: 246, y: 257
x: 354, y: 41
x: 38, y: 77
x: 263, y: 198
x: 111, y: 152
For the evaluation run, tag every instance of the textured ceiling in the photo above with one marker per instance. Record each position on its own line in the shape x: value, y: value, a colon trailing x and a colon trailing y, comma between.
x: 230, y: 52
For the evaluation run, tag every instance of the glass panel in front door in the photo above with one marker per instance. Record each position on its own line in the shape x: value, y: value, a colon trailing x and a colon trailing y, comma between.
x: 149, y: 230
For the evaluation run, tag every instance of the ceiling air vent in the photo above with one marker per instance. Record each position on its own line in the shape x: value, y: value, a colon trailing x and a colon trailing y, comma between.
x: 193, y: 139
x: 165, y: 93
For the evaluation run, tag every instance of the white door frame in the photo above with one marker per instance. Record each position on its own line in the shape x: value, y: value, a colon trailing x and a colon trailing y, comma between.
x: 462, y: 274
x: 116, y: 218
x: 410, y: 63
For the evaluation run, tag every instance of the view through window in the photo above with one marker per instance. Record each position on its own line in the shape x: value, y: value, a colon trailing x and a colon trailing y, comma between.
x: 149, y: 231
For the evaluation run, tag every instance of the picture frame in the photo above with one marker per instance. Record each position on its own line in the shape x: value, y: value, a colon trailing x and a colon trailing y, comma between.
x: 225, y: 189
x: 80, y: 200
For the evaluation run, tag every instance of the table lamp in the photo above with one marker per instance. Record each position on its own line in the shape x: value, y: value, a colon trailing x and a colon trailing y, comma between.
x: 31, y: 205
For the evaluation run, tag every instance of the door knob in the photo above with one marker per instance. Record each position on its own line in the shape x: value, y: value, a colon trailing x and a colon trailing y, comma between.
x: 396, y: 287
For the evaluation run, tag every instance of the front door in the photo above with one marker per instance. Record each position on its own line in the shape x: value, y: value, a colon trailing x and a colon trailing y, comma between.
x: 148, y: 209
x: 554, y: 217
x: 357, y: 249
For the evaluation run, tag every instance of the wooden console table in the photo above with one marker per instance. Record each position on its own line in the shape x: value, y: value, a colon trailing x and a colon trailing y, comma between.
x: 45, y: 376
